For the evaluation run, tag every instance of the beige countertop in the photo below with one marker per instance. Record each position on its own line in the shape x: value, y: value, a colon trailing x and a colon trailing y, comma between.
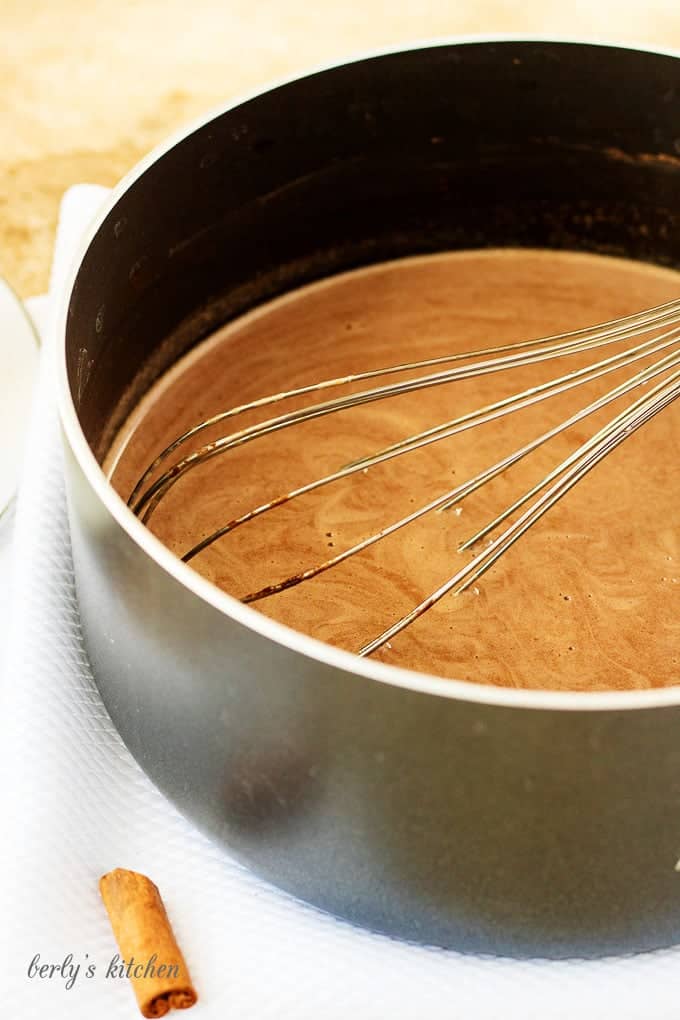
x: 88, y: 86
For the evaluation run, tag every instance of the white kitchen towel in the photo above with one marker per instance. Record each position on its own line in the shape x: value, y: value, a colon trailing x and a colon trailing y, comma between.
x: 73, y: 804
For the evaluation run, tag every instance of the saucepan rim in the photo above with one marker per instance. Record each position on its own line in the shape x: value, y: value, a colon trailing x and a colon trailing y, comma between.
x: 296, y: 641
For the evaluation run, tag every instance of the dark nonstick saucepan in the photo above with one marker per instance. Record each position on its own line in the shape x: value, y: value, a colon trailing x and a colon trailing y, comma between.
x: 486, y: 819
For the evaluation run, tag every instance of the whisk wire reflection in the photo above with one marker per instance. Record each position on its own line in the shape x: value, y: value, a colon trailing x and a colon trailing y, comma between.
x: 148, y: 492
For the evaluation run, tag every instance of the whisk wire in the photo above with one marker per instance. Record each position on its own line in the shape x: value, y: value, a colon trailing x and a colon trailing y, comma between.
x: 449, y: 429
x: 465, y: 489
x: 584, y: 340
x: 484, y: 560
x: 614, y: 329
x: 153, y: 487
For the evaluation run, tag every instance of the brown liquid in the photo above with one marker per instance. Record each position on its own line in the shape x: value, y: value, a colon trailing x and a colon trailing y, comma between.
x: 587, y: 600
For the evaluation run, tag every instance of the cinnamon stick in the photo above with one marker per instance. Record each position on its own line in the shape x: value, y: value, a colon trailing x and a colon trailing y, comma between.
x: 150, y: 956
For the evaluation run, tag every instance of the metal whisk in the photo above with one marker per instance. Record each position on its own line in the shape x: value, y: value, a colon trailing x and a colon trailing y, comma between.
x: 159, y: 478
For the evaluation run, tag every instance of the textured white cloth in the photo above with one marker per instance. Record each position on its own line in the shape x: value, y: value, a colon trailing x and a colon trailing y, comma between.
x: 73, y: 804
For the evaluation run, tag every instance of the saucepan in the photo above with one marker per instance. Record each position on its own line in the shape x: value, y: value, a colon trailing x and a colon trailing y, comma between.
x: 522, y: 822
